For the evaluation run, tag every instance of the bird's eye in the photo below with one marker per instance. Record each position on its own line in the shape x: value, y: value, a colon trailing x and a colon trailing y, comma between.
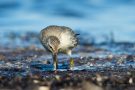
x: 50, y: 47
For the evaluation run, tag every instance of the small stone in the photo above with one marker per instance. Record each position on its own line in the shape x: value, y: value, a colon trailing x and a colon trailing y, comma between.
x: 43, y: 88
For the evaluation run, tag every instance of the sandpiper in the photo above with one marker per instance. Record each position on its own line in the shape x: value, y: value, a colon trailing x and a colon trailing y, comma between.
x: 58, y: 39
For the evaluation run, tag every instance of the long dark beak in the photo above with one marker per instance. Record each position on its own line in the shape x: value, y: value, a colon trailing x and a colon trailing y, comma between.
x: 55, y: 61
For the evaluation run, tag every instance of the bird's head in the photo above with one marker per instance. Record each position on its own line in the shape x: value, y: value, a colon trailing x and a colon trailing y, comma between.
x: 53, y: 44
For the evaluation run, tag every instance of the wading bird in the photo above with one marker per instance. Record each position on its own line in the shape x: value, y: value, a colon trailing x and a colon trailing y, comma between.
x: 58, y: 39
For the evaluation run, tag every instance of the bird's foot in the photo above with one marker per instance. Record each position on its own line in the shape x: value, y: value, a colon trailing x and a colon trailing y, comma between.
x: 55, y: 70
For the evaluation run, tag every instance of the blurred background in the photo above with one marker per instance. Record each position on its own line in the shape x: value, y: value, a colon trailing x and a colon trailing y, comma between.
x: 97, y: 21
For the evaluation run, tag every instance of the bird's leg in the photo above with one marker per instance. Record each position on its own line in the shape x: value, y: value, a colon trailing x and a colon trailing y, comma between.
x: 55, y: 61
x: 71, y: 61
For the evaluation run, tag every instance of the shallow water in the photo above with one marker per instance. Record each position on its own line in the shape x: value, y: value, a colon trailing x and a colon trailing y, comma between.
x: 37, y: 61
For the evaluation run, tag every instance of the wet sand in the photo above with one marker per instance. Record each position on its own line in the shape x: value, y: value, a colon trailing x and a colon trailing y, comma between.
x: 95, y: 69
